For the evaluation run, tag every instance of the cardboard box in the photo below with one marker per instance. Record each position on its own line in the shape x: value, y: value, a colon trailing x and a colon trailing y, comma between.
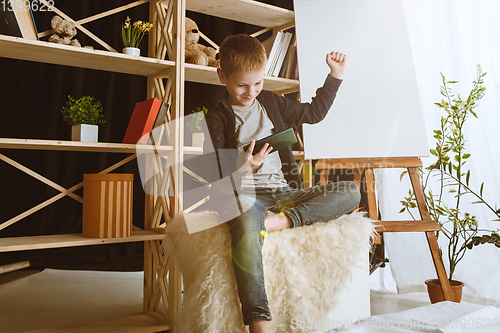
x: 107, y: 205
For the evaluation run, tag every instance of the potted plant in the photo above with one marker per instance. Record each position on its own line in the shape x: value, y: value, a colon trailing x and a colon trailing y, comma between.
x: 83, y: 114
x: 132, y: 35
x: 194, y: 123
x: 446, y: 205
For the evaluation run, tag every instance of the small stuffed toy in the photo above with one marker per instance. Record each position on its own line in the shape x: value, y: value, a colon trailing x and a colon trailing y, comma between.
x: 196, y: 53
x: 64, y: 30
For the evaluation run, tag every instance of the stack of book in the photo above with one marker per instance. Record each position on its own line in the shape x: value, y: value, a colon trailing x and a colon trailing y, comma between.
x: 281, y: 55
x: 16, y: 19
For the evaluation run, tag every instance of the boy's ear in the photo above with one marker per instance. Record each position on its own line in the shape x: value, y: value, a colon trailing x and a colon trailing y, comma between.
x: 222, y: 77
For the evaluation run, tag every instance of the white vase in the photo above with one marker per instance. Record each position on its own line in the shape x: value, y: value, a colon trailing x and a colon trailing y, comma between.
x: 132, y: 51
x: 198, y: 139
x: 84, y: 133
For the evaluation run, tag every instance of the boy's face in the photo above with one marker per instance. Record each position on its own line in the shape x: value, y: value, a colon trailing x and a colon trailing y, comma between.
x: 243, y: 87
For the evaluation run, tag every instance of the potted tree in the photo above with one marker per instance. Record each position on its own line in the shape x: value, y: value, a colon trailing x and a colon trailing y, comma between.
x: 446, y: 205
x: 194, y: 123
x: 83, y: 114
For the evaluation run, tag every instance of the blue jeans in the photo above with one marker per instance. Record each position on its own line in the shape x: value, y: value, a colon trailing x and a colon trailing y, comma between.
x: 304, y: 207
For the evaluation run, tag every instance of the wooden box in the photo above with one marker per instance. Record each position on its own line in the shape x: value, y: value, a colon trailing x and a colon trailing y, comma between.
x: 107, y: 205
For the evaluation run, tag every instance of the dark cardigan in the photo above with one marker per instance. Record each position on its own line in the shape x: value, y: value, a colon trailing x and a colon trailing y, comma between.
x: 220, y: 128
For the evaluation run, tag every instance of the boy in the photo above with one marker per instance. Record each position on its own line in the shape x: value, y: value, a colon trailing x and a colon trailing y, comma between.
x: 269, y: 193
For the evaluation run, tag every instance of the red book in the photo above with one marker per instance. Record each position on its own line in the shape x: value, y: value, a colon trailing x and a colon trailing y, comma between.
x: 142, y: 121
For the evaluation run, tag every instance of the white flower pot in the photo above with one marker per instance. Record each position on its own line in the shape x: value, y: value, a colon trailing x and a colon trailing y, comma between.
x: 198, y: 139
x: 84, y: 133
x: 132, y: 51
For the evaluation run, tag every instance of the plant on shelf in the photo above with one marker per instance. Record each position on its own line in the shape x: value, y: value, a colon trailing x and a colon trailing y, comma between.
x: 194, y: 123
x: 450, y: 175
x: 84, y: 114
x: 85, y: 110
x: 133, y: 33
x: 194, y: 119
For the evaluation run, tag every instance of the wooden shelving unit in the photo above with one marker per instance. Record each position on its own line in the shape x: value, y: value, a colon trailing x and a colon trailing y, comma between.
x: 166, y: 78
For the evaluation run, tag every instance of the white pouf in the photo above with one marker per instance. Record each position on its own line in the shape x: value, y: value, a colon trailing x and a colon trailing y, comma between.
x: 305, y: 271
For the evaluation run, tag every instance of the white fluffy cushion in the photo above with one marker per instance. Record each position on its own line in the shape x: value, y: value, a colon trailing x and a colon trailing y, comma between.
x: 305, y: 270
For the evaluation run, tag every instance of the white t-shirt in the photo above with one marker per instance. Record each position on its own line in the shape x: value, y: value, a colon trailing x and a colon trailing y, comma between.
x: 253, y: 123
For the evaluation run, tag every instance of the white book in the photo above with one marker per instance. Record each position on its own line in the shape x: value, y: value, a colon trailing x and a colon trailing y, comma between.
x: 283, y: 51
x: 274, y: 50
x: 277, y: 55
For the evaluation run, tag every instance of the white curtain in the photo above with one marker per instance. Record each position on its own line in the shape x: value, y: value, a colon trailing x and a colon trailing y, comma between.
x: 452, y: 37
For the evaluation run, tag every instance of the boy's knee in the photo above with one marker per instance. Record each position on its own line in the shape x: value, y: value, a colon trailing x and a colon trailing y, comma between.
x: 351, y: 190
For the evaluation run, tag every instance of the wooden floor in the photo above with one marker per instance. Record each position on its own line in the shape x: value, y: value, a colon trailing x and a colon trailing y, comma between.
x: 32, y: 300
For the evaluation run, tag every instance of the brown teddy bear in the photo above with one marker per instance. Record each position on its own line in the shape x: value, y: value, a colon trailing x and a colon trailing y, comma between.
x: 197, y: 53
x: 64, y: 30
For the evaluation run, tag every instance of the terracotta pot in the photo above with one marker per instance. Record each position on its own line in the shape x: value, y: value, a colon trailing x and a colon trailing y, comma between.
x: 436, y: 294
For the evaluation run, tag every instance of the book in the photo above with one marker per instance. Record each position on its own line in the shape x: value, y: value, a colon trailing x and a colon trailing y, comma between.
x: 162, y: 113
x: 294, y: 69
x: 17, y: 20
x: 8, y: 23
x: 142, y: 121
x: 160, y: 120
x: 268, y: 44
x: 273, y: 51
x: 285, y: 43
x: 286, y: 69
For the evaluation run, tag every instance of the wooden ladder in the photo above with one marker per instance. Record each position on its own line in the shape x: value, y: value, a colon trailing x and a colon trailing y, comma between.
x: 425, y: 224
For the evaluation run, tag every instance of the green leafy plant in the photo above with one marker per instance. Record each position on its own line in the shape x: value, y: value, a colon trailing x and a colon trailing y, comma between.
x: 194, y: 119
x: 457, y: 225
x: 85, y: 110
x: 132, y: 34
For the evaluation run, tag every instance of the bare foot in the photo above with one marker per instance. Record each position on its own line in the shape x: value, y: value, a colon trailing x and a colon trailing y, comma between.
x: 277, y: 221
x: 260, y: 326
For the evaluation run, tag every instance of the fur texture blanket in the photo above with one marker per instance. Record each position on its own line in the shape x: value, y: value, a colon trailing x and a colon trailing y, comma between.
x: 305, y: 270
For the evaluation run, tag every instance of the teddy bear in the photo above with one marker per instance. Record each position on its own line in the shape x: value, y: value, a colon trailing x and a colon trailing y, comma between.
x: 197, y: 53
x: 64, y: 30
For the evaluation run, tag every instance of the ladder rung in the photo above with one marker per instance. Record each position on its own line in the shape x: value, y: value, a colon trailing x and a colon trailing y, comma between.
x: 407, y: 226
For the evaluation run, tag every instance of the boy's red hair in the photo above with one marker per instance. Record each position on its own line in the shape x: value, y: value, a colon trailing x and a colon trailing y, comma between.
x: 242, y: 53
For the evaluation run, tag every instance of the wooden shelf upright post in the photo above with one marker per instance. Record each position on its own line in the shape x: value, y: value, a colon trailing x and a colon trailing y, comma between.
x: 161, y: 274
x: 424, y: 225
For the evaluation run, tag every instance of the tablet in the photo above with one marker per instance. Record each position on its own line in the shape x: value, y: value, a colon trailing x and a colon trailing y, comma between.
x: 277, y: 141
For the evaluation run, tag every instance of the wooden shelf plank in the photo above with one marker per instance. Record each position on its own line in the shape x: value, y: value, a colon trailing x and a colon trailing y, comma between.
x: 247, y: 11
x: 41, y: 51
x: 24, y: 243
x: 137, y: 323
x: 208, y: 75
x: 32, y: 50
x: 102, y: 147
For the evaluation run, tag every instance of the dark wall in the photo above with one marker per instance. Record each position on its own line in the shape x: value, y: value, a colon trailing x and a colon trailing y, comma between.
x: 31, y: 97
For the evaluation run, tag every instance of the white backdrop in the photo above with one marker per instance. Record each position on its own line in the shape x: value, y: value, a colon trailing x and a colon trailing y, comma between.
x: 377, y: 111
x: 452, y: 37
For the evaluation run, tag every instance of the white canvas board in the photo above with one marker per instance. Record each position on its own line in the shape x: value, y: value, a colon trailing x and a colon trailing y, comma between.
x: 377, y: 112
